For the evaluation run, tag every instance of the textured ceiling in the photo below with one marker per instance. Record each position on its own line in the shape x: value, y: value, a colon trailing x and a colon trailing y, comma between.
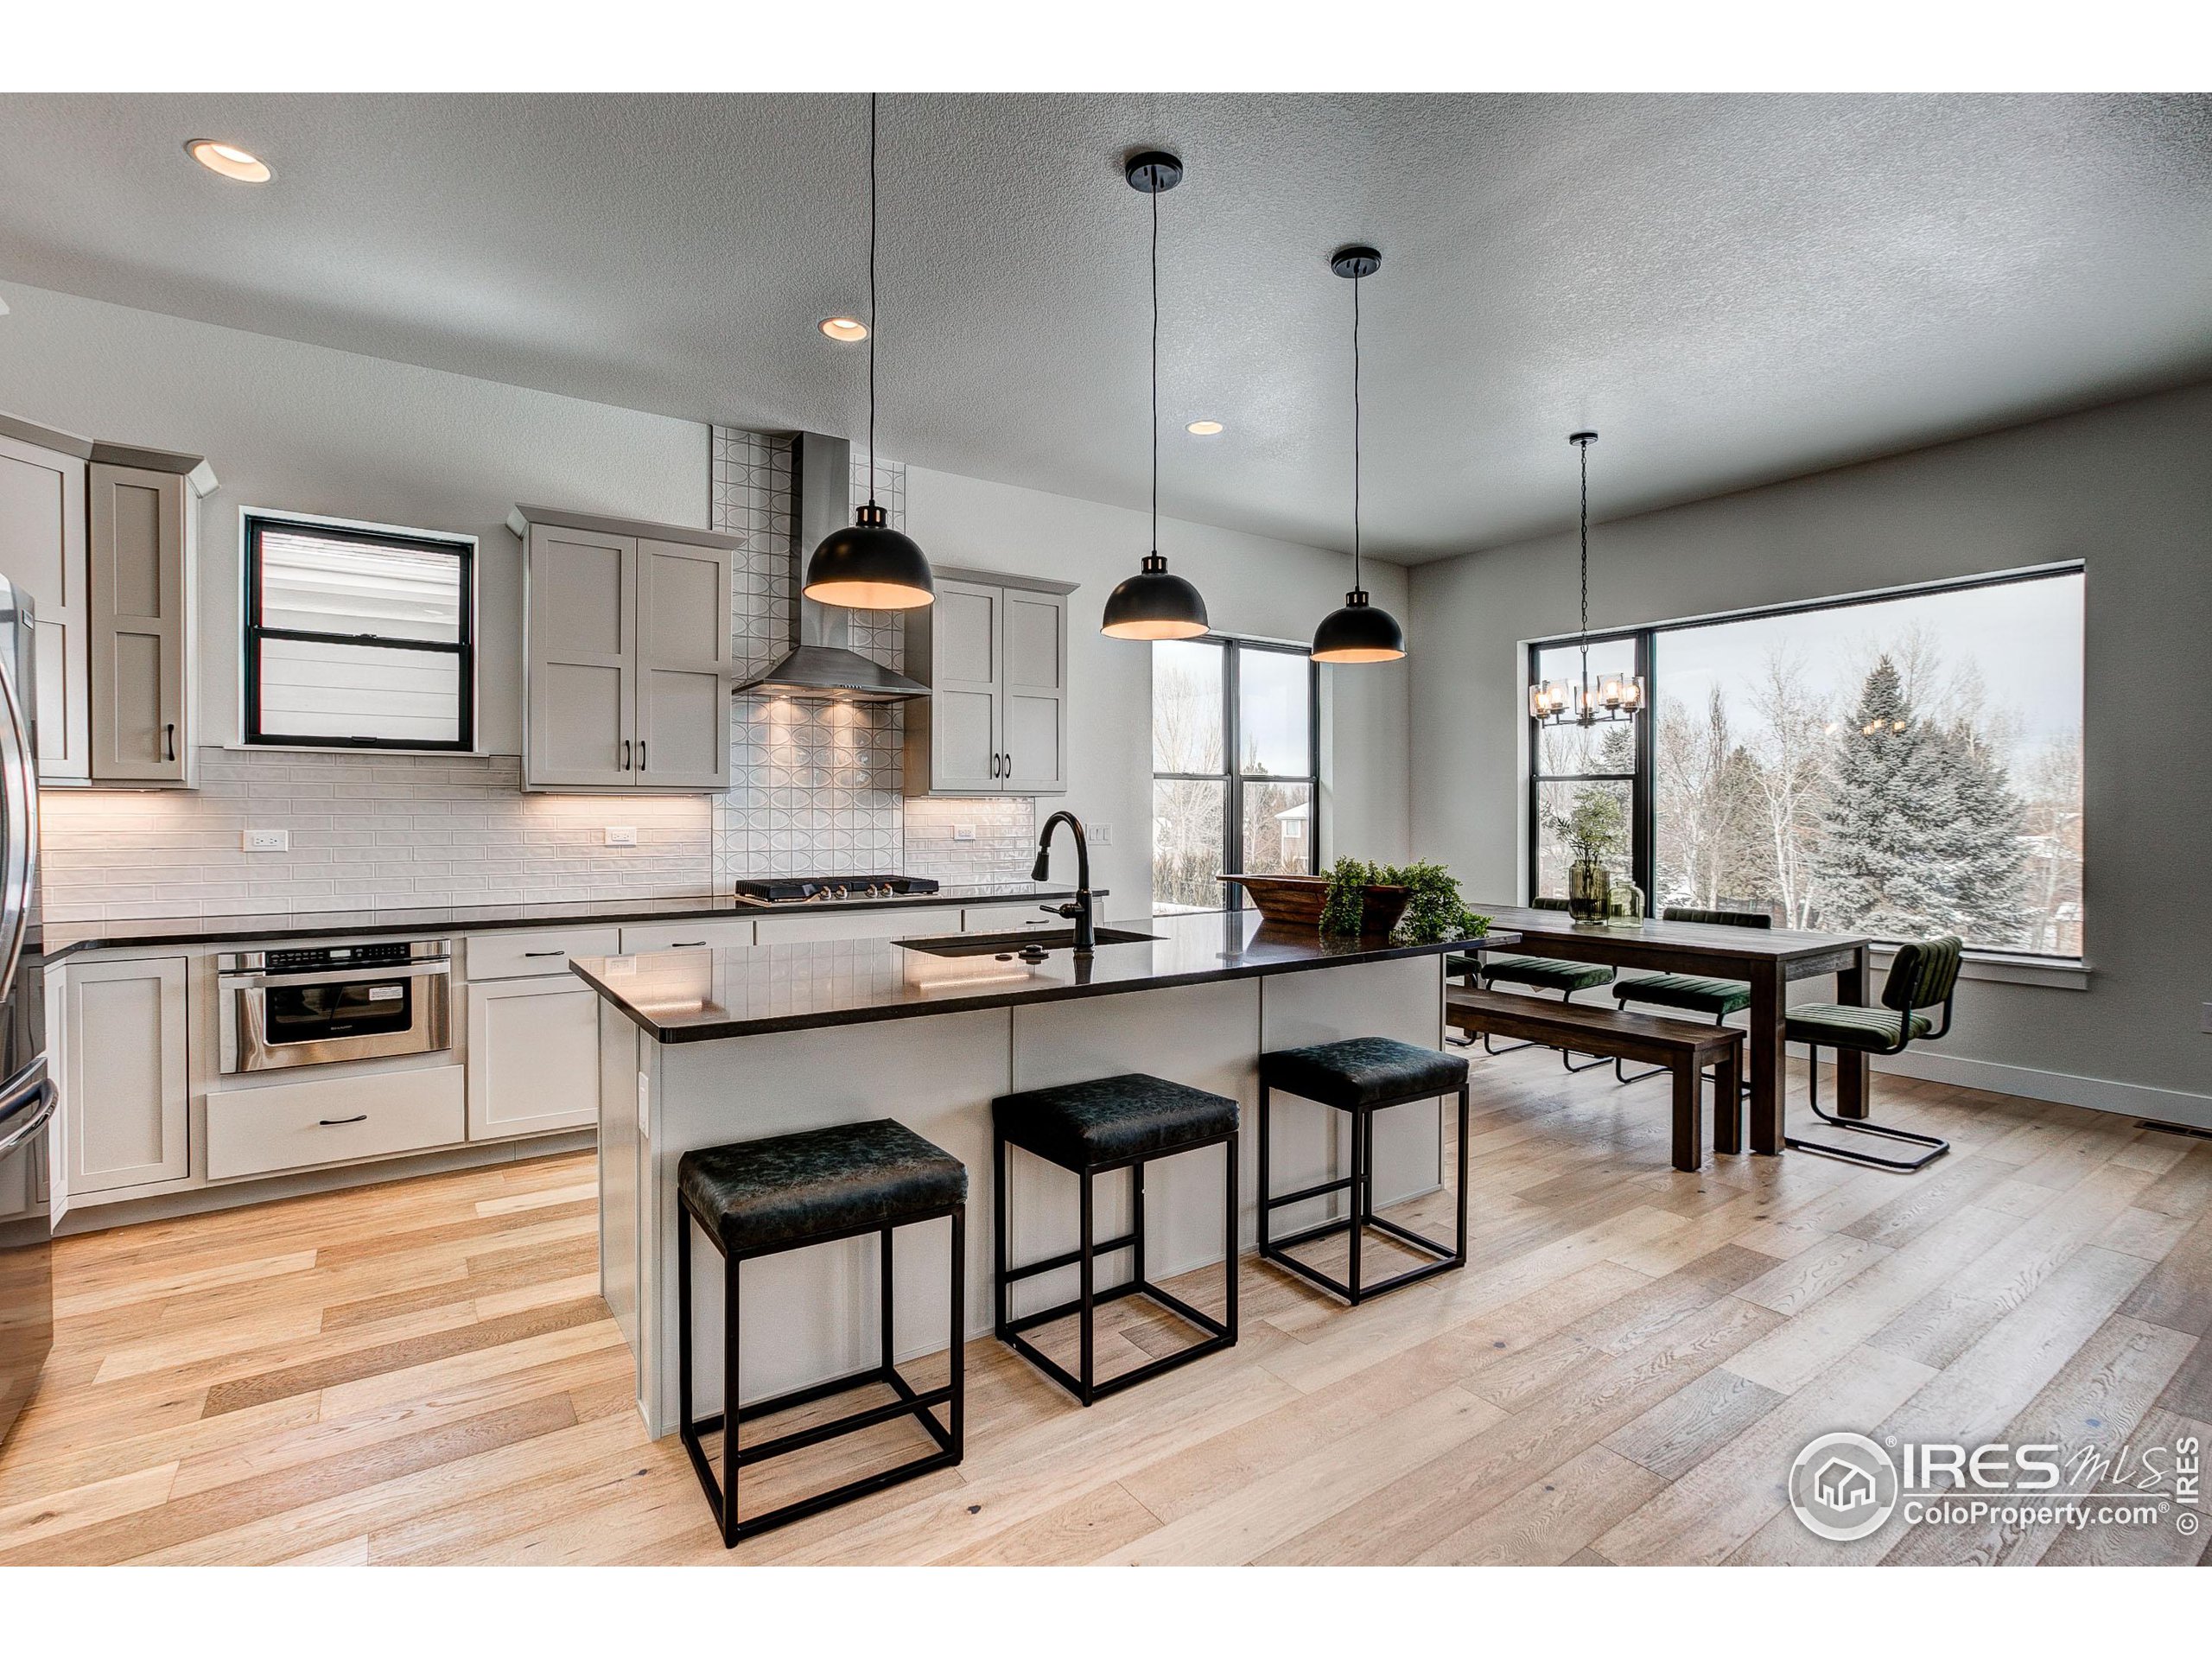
x: 1731, y: 288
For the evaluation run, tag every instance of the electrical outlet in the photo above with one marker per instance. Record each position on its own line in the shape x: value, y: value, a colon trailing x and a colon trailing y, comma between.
x: 621, y: 835
x: 268, y: 841
x: 964, y: 832
x: 1101, y: 835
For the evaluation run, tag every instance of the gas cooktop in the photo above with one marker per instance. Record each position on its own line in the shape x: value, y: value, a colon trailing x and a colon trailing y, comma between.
x: 829, y: 889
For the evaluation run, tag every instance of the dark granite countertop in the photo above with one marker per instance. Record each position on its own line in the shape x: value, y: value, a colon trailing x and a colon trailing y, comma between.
x: 71, y: 938
x: 691, y: 997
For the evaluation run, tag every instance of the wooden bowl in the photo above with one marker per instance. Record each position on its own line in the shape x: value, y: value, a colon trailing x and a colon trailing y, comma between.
x: 1295, y: 901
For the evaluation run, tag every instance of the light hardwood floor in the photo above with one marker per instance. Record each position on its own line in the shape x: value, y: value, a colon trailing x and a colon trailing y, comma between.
x: 423, y: 1372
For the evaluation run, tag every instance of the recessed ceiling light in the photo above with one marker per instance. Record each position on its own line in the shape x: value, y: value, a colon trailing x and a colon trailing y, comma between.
x: 1203, y: 428
x: 229, y: 160
x: 845, y: 329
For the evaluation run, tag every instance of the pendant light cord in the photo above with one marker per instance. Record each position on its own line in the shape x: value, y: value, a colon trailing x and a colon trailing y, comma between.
x: 1355, y: 433
x: 1155, y: 372
x: 871, y: 299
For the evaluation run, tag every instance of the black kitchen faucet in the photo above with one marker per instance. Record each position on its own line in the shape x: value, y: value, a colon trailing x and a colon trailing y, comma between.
x: 1079, y: 910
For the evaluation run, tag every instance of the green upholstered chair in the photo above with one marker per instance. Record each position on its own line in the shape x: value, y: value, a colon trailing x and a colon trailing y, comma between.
x: 1692, y: 993
x: 1923, y: 976
x: 1539, y: 974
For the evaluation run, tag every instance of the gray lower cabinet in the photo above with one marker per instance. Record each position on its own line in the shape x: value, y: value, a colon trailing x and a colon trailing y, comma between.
x: 126, y: 1083
x: 533, y: 1057
x: 627, y: 657
x: 992, y: 650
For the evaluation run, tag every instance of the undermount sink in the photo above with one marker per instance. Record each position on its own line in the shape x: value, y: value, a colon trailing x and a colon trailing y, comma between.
x: 1038, y: 940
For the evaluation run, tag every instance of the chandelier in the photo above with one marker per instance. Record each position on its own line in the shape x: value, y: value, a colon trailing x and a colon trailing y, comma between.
x: 1585, y: 701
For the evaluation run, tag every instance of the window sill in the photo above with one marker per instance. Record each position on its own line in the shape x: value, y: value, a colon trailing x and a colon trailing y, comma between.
x: 1996, y: 966
x: 348, y: 748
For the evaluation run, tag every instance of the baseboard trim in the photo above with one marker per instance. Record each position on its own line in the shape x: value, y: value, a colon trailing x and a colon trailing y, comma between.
x: 2098, y: 1094
x: 82, y: 1217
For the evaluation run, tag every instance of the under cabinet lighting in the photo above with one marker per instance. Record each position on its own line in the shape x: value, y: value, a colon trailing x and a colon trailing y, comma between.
x: 229, y: 160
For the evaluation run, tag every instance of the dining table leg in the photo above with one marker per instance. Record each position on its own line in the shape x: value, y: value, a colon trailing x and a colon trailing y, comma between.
x: 1770, y: 1006
x: 1851, y: 1069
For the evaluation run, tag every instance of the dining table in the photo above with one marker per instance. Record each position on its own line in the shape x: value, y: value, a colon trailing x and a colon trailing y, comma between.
x: 1769, y: 960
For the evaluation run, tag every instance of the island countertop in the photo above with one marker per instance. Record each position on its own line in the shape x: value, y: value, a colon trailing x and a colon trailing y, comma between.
x: 691, y: 997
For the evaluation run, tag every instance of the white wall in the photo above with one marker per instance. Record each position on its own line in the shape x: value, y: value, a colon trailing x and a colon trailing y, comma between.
x: 2127, y: 489
x: 1253, y: 585
x: 298, y: 427
x: 309, y: 429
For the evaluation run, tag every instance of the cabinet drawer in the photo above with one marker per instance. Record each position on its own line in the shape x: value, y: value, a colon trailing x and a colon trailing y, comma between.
x: 541, y: 951
x: 333, y: 1120
x: 724, y: 934
x: 819, y: 924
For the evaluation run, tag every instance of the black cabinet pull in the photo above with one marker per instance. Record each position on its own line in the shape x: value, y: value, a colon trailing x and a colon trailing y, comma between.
x: 626, y: 754
x: 641, y: 754
x: 545, y: 953
x: 337, y: 1123
x: 689, y: 945
x: 168, y: 740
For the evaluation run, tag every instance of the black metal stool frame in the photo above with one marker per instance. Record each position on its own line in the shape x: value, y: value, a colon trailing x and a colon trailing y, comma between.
x: 1084, y: 1384
x: 949, y: 1435
x: 1359, y: 1213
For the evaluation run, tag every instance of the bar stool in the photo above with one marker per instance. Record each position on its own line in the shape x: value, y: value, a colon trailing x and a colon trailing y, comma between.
x: 1110, y: 1123
x: 784, y: 1193
x: 1361, y: 1076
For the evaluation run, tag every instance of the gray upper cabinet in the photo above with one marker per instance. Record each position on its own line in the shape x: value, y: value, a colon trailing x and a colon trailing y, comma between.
x: 992, y: 650
x: 103, y: 537
x: 627, y: 660
x: 141, y: 555
x: 42, y: 551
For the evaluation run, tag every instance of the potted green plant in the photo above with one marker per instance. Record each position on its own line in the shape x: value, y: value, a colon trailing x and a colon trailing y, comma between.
x: 1421, y: 901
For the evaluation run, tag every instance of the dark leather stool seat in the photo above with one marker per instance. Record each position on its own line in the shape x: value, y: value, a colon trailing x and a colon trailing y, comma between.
x: 1102, y: 1124
x: 1361, y: 1076
x: 783, y: 1192
x: 1113, y: 1120
x: 755, y: 1195
x: 1361, y: 1071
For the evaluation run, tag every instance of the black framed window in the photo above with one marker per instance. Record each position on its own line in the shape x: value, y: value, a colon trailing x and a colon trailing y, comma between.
x: 1237, y: 767
x: 359, y: 637
x: 1899, y: 763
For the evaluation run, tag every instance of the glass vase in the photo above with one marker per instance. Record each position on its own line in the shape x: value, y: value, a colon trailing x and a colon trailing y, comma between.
x: 1589, y: 886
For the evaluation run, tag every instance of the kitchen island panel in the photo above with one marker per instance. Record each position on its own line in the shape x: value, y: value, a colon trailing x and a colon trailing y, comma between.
x: 811, y: 1314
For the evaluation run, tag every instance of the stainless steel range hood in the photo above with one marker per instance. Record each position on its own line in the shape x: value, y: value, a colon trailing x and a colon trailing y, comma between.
x: 822, y: 666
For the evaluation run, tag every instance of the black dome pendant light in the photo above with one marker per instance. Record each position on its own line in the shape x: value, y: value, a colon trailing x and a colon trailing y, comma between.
x: 869, y: 567
x: 1153, y: 605
x: 1357, y: 632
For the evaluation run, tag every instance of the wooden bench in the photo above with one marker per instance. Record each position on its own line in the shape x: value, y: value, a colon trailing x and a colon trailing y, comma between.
x: 1684, y: 1049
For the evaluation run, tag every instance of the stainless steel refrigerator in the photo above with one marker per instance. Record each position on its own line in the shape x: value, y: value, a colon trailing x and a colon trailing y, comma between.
x: 26, y: 1095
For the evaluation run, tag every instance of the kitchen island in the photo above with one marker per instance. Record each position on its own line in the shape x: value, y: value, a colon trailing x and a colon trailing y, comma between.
x: 700, y: 1048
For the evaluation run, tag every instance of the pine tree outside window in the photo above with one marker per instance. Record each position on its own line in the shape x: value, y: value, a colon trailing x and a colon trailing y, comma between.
x: 1900, y: 764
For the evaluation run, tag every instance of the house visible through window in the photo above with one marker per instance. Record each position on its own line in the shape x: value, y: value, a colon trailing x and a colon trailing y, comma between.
x: 358, y: 636
x: 1902, y: 765
x: 1234, y: 759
